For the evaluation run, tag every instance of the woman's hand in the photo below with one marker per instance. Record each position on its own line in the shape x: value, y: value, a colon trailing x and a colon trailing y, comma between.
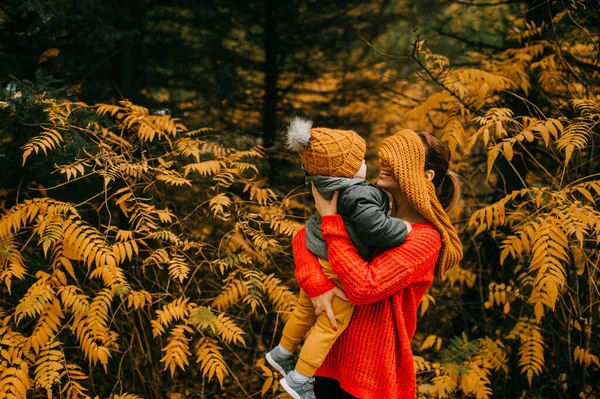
x: 322, y: 303
x: 323, y: 206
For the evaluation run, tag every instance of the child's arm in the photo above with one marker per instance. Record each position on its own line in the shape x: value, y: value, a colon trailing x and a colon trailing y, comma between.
x: 366, y: 207
x: 309, y: 273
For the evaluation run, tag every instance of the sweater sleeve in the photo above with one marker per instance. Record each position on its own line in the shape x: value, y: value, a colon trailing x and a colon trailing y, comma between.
x: 389, y: 271
x: 366, y: 209
x: 309, y: 273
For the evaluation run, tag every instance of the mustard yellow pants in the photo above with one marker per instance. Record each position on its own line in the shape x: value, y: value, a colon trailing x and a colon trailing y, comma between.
x: 321, y: 335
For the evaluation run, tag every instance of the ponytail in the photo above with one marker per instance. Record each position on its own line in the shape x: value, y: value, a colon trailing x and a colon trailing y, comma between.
x: 437, y: 158
x: 448, y: 192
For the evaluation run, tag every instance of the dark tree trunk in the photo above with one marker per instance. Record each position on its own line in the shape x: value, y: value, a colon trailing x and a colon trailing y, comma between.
x: 271, y: 77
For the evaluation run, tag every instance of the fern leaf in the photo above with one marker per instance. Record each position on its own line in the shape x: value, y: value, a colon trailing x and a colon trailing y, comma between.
x: 46, y: 327
x: 72, y: 388
x: 49, y: 139
x: 35, y: 300
x: 178, y: 268
x: 531, y: 350
x: 15, y: 382
x: 211, y: 360
x: 48, y: 367
x: 206, y: 168
x: 177, y: 350
x: 228, y: 330
x: 138, y: 299
x: 177, y: 310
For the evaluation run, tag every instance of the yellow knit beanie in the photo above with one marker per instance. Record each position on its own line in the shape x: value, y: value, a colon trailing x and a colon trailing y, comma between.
x: 327, y: 152
x: 405, y: 155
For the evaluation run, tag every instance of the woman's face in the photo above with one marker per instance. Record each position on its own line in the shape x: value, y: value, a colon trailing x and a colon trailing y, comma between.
x: 386, y: 176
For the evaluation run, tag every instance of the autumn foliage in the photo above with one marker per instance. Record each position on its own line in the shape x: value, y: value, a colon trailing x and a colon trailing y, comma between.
x: 158, y: 262
x: 179, y: 232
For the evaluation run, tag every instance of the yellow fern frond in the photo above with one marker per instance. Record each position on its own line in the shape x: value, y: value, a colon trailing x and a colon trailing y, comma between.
x: 585, y: 357
x: 575, y: 137
x: 138, y: 299
x: 531, y: 30
x: 126, y: 396
x: 71, y: 171
x: 91, y: 328
x: 256, y: 152
x: 443, y: 385
x: 177, y: 350
x: 175, y: 311
x: 495, y: 214
x: 46, y: 327
x: 225, y: 178
x: 49, y: 139
x: 73, y: 376
x: 587, y: 108
x: 280, y: 296
x: 14, y: 381
x: 11, y: 262
x: 421, y: 365
x: 462, y: 276
x: 501, y: 295
x: 531, y: 350
x: 165, y: 235
x: 549, y: 250
x: 102, y: 109
x: 48, y: 367
x: 72, y: 298
x: 211, y: 360
x: 284, y: 226
x: 228, y: 330
x: 123, y: 251
x: 233, y: 292
x: 495, y: 353
x: 158, y: 257
x: 202, y: 317
x: 206, y: 168
x: 218, y: 203
x: 35, y: 300
x: 178, y: 268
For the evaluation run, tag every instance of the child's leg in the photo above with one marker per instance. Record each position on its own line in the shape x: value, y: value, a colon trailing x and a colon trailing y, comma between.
x: 322, y: 336
x: 301, y: 320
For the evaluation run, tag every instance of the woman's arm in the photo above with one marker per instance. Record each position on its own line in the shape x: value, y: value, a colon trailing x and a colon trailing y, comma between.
x: 388, y: 272
x: 309, y: 273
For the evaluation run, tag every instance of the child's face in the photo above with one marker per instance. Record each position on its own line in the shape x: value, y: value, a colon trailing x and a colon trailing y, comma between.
x: 362, y: 172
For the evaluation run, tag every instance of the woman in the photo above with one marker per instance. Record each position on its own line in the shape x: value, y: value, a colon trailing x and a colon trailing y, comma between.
x: 372, y: 359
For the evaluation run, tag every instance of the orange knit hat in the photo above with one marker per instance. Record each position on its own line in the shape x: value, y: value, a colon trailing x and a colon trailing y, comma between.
x: 405, y: 154
x: 327, y: 152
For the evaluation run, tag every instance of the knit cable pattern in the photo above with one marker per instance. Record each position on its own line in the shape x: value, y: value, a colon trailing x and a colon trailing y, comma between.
x: 406, y: 156
x: 333, y: 152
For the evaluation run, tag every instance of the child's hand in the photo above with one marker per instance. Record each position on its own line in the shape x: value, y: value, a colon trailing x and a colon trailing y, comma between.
x: 323, y: 206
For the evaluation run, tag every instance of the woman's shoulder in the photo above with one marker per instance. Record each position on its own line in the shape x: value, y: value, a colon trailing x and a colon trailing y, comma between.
x: 425, y: 230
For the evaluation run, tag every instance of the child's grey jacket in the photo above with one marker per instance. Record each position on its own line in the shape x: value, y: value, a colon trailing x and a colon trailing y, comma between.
x: 364, y: 208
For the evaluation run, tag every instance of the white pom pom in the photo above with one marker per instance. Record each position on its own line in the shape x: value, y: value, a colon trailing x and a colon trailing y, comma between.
x: 298, y: 134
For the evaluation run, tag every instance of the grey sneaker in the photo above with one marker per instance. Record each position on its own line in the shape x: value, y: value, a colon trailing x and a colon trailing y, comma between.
x: 280, y: 361
x: 297, y: 390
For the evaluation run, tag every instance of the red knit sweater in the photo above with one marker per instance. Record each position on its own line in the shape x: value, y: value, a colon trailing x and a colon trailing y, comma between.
x: 372, y: 359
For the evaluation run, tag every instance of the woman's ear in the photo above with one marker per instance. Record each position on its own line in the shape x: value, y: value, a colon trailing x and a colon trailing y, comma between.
x: 429, y: 174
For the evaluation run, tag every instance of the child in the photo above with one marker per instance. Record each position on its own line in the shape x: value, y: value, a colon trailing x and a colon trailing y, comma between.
x: 333, y: 160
